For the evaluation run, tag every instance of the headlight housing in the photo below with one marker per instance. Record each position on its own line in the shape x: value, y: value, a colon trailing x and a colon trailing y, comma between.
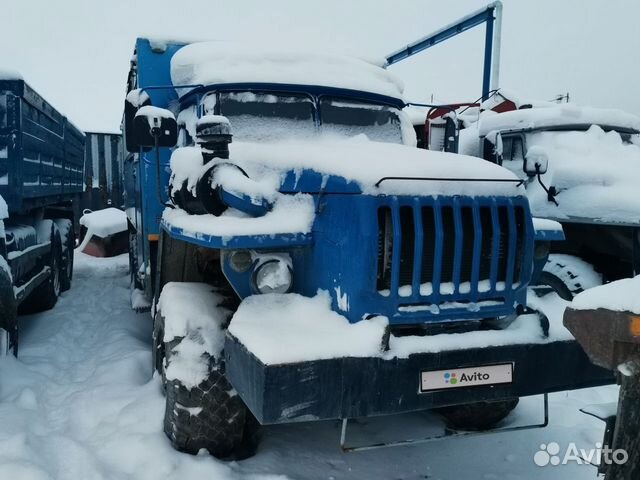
x: 273, y: 275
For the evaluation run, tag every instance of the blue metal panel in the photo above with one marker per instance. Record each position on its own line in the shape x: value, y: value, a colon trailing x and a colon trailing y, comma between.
x: 44, y: 151
x: 342, y: 252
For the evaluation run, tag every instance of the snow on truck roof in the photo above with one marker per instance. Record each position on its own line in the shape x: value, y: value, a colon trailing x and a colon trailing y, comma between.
x: 556, y: 116
x: 210, y: 63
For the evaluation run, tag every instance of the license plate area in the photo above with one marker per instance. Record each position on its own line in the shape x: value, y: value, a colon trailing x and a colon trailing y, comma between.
x: 433, y: 380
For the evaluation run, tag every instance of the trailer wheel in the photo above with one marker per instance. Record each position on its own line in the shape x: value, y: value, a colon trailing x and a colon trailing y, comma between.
x: 210, y: 416
x: 477, y: 416
x: 8, y: 316
x: 568, y: 275
x: 65, y: 226
x: 45, y: 296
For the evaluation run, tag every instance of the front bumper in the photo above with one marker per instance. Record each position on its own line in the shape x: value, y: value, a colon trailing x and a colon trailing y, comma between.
x: 362, y: 387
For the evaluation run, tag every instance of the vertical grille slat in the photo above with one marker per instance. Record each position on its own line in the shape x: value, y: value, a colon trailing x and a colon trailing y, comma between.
x: 478, y: 238
x: 512, y: 248
x: 397, y: 245
x: 418, y: 249
x: 476, y: 246
x: 458, y: 236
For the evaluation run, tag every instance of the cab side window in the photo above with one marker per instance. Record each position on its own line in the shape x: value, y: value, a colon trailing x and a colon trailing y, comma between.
x: 512, y: 148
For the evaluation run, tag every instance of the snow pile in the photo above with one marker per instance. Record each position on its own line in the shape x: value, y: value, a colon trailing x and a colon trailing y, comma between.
x: 192, y: 313
x: 366, y: 163
x: 81, y: 403
x: 287, y: 328
x: 291, y: 214
x: 103, y: 223
x: 154, y: 113
x: 619, y: 296
x: 210, y: 63
x: 595, y: 173
x: 556, y: 116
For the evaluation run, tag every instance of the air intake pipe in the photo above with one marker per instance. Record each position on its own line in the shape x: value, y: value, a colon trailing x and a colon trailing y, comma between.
x: 223, y: 184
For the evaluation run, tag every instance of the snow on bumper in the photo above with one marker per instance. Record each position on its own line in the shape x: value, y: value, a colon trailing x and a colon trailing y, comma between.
x: 293, y: 359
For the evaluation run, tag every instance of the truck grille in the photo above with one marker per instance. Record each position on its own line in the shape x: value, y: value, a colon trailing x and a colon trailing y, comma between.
x: 451, y: 246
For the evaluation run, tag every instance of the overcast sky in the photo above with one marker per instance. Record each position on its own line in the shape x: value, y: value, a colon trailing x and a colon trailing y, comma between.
x: 76, y: 52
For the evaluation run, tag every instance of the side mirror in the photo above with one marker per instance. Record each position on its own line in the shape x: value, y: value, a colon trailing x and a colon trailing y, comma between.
x: 536, y: 161
x: 154, y: 127
x: 135, y: 99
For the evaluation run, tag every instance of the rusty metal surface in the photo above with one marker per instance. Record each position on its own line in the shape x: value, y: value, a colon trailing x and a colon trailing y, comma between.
x: 608, y: 337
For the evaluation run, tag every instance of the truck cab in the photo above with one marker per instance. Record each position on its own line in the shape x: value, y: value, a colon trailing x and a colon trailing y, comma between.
x: 285, y: 188
x: 592, y: 156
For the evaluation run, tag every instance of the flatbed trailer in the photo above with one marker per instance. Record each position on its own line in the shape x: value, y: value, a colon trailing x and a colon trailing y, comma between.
x: 41, y: 174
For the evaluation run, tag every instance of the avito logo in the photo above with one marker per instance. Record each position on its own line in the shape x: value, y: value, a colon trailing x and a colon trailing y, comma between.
x: 453, y: 378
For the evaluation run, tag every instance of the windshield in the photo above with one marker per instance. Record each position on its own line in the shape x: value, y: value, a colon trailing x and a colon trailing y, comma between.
x: 349, y: 118
x: 276, y: 116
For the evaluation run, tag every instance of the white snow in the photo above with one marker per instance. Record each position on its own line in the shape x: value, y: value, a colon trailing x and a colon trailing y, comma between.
x: 153, y: 113
x: 290, y: 214
x: 302, y: 328
x: 620, y: 296
x: 81, y: 403
x: 594, y: 171
x: 137, y: 97
x: 192, y: 313
x: 103, y: 223
x: 138, y: 300
x: 225, y: 62
x: 289, y: 328
x: 555, y: 116
x: 545, y: 224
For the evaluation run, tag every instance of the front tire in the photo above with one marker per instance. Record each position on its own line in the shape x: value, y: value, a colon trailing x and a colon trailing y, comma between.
x: 8, y: 316
x: 209, y: 416
x: 45, y: 296
x: 568, y: 275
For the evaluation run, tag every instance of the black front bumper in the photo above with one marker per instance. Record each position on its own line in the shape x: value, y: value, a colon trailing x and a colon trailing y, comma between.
x: 362, y: 387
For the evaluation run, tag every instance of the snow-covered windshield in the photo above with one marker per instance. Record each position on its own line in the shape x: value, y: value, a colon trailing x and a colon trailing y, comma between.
x: 350, y: 118
x: 258, y: 117
x: 266, y: 116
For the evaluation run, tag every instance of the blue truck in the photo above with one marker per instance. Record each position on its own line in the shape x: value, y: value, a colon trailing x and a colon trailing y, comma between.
x: 264, y: 187
x: 41, y: 172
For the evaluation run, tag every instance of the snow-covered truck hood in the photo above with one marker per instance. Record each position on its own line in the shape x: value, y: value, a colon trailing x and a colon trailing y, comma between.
x: 355, y: 166
x: 556, y: 116
x: 595, y: 172
x: 214, y: 63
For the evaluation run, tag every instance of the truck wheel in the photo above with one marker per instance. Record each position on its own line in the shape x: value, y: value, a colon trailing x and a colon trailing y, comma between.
x: 45, y: 296
x: 210, y: 416
x: 65, y: 226
x: 568, y: 275
x: 8, y: 316
x: 477, y: 416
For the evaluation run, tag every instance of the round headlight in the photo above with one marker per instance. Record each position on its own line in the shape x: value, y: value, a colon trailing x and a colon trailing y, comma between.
x: 273, y: 276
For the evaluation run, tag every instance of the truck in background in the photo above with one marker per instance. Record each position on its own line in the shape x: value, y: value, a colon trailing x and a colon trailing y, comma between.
x: 316, y: 267
x: 41, y: 173
x: 593, y: 157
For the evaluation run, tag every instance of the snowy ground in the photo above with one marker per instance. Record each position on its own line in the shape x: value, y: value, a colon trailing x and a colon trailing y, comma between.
x: 81, y: 403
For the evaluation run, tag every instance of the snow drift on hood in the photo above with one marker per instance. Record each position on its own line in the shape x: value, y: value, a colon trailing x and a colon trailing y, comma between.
x: 360, y: 161
x: 210, y: 63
